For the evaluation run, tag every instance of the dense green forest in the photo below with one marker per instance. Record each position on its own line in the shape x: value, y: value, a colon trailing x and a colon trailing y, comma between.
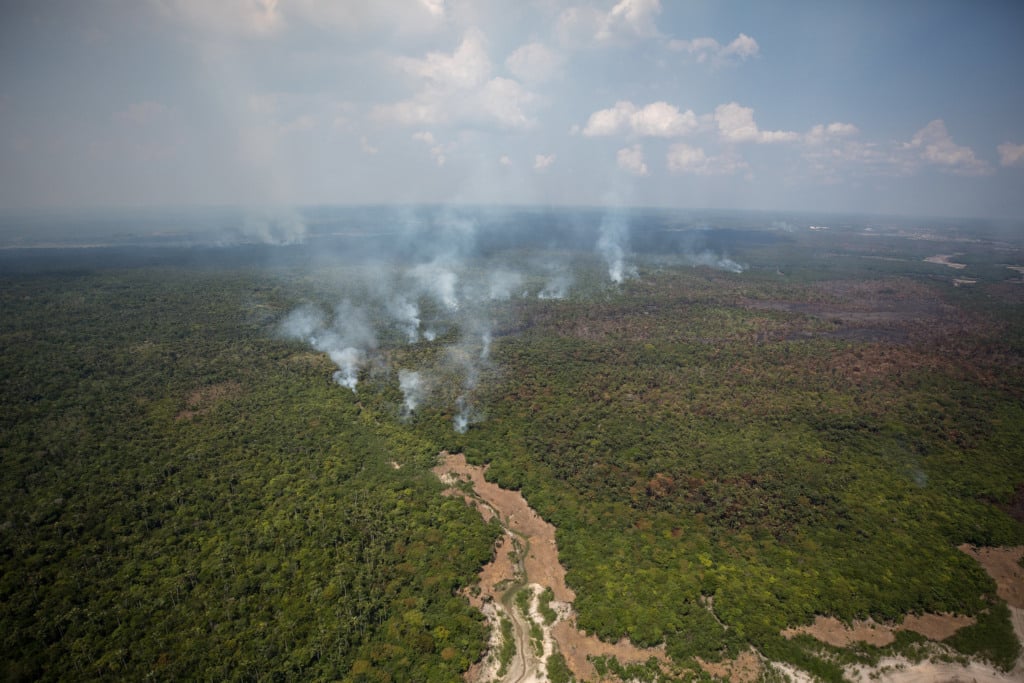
x: 188, y: 494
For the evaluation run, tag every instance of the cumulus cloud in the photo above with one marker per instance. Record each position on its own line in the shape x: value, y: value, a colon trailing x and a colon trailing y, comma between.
x: 822, y: 133
x: 631, y: 159
x: 626, y: 21
x: 466, y: 67
x: 534, y: 63
x: 542, y: 162
x: 683, y: 158
x: 935, y: 146
x: 658, y: 119
x: 704, y: 50
x: 457, y: 88
x: 504, y: 102
x: 436, y: 150
x: 631, y: 18
x: 736, y: 124
x: 1011, y: 154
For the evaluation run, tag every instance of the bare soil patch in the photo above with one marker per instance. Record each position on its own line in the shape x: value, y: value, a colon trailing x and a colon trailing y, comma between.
x: 1002, y: 565
x: 834, y: 632
x: 541, y: 562
x: 577, y: 647
x: 540, y: 565
x: 204, y: 399
x: 746, y: 668
x: 946, y: 260
x: 935, y: 626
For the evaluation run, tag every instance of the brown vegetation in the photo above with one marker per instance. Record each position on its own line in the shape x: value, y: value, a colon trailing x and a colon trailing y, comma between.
x: 204, y: 399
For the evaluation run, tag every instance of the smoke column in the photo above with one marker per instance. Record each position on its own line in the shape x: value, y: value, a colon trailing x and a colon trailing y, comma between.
x: 413, y: 390
x: 612, y: 245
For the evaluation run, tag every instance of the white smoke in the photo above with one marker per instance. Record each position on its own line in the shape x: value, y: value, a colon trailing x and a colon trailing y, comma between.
x: 438, y: 281
x: 274, y: 226
x: 414, y: 390
x: 556, y: 288
x: 485, y: 345
x: 712, y: 260
x: 407, y: 314
x: 612, y: 243
x: 504, y: 284
x: 462, y: 418
x: 302, y: 323
x: 345, y: 340
x: 348, y: 361
x: 469, y: 357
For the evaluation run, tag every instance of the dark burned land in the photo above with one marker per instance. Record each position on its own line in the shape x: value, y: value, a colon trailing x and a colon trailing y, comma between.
x: 217, y: 460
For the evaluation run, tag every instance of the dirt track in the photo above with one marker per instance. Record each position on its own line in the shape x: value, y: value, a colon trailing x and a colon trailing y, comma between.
x: 538, y: 565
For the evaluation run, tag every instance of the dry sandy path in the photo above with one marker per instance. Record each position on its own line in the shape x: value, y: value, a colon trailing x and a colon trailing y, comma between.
x: 539, y: 565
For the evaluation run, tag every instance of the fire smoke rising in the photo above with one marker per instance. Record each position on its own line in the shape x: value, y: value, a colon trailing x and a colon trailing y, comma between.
x: 612, y: 244
x: 414, y: 390
x: 345, y: 340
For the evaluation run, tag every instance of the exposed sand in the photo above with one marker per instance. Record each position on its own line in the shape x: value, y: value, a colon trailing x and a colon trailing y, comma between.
x: 1001, y: 565
x: 746, y: 668
x: 898, y: 670
x: 945, y: 260
x: 541, y: 568
x: 576, y: 646
x: 541, y: 562
x: 834, y: 632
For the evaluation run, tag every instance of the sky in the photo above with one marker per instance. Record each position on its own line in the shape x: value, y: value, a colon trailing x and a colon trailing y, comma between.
x: 870, y: 107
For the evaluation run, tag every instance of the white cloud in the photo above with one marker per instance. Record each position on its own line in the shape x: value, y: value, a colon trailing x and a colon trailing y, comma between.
x: 633, y: 18
x: 457, y: 89
x: 1011, y: 154
x: 632, y: 159
x: 683, y: 158
x: 628, y: 20
x: 821, y: 133
x: 706, y: 49
x: 935, y: 146
x: 542, y: 162
x: 534, y: 63
x: 658, y: 119
x: 736, y: 124
x: 467, y: 67
x: 609, y: 121
x: 434, y: 7
x: 436, y: 150
x: 504, y: 101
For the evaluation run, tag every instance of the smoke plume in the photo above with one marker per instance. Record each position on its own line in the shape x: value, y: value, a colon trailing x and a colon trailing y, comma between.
x: 612, y: 243
x: 414, y: 390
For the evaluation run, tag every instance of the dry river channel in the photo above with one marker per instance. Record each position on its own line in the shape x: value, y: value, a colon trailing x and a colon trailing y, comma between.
x: 527, y: 558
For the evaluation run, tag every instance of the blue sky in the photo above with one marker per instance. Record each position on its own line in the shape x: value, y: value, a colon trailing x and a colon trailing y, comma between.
x: 874, y: 107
